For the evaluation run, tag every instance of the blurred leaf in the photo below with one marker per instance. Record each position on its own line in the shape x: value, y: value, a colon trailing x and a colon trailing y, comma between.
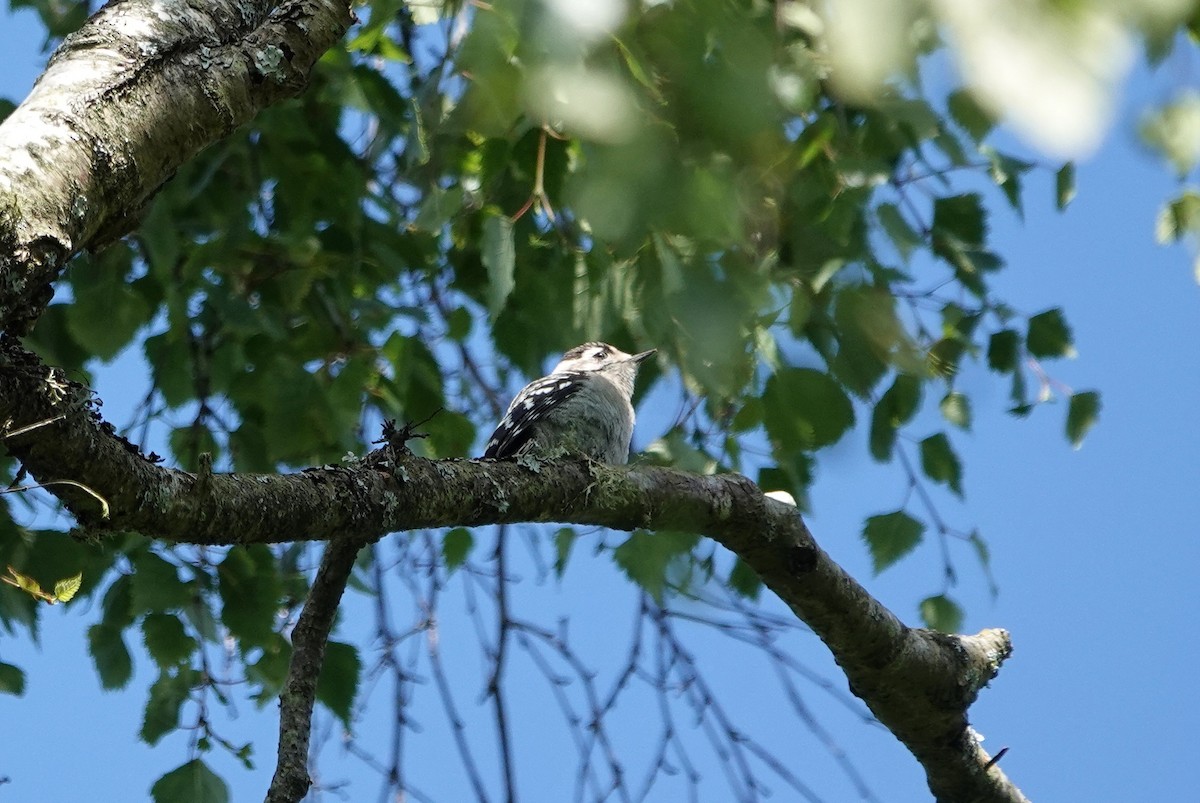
x: 1004, y: 350
x: 338, y: 681
x: 499, y: 257
x: 805, y: 409
x: 1180, y: 217
x: 113, y: 664
x: 1081, y: 415
x: 167, y: 696
x: 903, y: 236
x: 1049, y: 335
x: 895, y: 408
x: 745, y: 581
x: 1064, y: 185
x: 106, y: 312
x: 193, y: 782
x: 456, y: 545
x: 961, y: 216
x: 564, y: 539
x: 868, y: 332
x: 155, y: 584
x: 250, y: 591
x: 973, y: 119
x: 1174, y: 131
x: 939, y: 462
x: 956, y: 408
x: 645, y: 558
x: 166, y: 640
x: 891, y: 536
x: 942, y: 613
x: 12, y: 680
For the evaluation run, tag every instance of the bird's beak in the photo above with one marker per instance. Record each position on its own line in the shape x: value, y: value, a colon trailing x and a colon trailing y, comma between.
x: 642, y: 356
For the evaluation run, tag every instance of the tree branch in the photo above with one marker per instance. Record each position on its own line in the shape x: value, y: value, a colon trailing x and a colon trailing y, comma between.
x: 138, y: 91
x: 918, y: 683
x: 309, y: 637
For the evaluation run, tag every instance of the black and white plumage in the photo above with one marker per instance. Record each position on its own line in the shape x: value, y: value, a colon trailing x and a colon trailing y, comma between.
x: 581, y: 407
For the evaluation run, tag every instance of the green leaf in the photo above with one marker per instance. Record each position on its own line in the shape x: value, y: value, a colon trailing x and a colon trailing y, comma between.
x: 500, y: 258
x: 868, y: 333
x: 941, y: 613
x: 956, y: 408
x: 155, y: 584
x: 1006, y: 171
x: 12, y: 680
x: 646, y: 557
x: 166, y: 639
x: 894, y: 409
x: 106, y: 312
x: 118, y: 603
x: 1064, y: 185
x: 745, y: 581
x: 250, y: 591
x: 903, y: 236
x: 805, y: 409
x: 113, y: 664
x: 891, y: 536
x: 564, y: 539
x: 171, y: 365
x: 939, y: 462
x: 338, y: 681
x: 1004, y: 350
x: 167, y: 696
x: 269, y: 672
x: 456, y: 546
x: 1049, y: 335
x: 1081, y: 415
x: 962, y: 217
x: 969, y: 115
x: 193, y: 782
x: 188, y: 443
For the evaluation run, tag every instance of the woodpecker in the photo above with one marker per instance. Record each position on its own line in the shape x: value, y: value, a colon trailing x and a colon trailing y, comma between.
x: 581, y: 407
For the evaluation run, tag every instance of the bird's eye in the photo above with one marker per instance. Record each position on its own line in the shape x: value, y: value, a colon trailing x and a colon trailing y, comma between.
x: 599, y: 354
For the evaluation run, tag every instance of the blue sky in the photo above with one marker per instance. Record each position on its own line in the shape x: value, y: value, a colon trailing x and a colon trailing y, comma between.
x: 1095, y: 551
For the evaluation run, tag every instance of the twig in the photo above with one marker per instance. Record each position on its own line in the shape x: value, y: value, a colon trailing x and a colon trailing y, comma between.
x: 309, y: 638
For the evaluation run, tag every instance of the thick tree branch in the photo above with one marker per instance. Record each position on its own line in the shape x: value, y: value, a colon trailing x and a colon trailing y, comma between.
x: 918, y: 683
x: 138, y: 91
x: 309, y: 638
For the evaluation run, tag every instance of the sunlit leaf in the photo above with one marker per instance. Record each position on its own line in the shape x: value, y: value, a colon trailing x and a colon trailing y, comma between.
x: 66, y: 589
